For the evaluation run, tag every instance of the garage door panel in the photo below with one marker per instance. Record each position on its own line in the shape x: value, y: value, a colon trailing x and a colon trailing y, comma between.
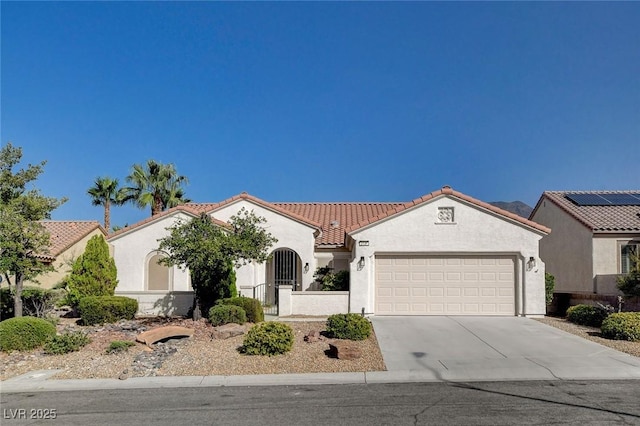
x: 445, y: 285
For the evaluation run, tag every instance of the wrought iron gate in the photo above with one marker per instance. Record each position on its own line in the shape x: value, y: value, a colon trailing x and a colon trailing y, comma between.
x: 269, y: 299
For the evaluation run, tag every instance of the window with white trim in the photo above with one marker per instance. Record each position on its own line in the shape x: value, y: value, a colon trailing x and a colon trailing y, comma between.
x: 629, y: 253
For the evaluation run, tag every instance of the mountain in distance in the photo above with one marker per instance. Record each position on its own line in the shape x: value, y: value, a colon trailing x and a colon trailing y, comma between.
x: 517, y: 207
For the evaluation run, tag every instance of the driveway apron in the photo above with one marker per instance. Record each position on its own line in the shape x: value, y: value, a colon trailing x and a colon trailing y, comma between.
x: 494, y: 348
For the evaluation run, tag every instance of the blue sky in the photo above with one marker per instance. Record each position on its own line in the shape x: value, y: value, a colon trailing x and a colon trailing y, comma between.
x: 291, y: 101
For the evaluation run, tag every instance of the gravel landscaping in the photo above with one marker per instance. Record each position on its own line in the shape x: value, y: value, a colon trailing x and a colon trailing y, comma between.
x: 194, y: 356
x: 593, y: 334
x: 201, y: 355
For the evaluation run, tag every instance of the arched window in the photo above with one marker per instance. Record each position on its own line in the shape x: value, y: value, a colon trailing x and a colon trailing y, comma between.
x: 158, y: 275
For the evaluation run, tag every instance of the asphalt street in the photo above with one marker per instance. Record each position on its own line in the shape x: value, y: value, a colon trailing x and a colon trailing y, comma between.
x: 486, y: 403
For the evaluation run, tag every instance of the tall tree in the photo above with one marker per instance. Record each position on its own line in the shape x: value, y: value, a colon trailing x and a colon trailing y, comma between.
x: 156, y: 185
x: 22, y: 237
x: 106, y: 192
x: 94, y: 273
x: 210, y: 253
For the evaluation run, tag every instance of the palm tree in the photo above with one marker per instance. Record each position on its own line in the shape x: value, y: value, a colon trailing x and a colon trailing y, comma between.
x: 157, y: 185
x: 105, y: 192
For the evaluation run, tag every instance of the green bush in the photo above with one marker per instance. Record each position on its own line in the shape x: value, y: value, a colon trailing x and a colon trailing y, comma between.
x: 549, y: 286
x: 252, y: 307
x: 106, y: 309
x: 622, y: 326
x: 348, y: 326
x: 36, y: 301
x: 332, y: 281
x: 119, y: 346
x: 65, y: 343
x: 94, y: 273
x: 268, y: 338
x: 587, y: 315
x: 24, y: 333
x: 225, y: 314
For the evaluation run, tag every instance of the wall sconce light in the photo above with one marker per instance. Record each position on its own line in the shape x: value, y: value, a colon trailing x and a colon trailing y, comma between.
x: 531, y: 263
x: 361, y: 263
x: 306, y: 267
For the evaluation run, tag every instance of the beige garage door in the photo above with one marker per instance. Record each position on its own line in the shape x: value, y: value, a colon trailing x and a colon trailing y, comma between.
x: 445, y: 285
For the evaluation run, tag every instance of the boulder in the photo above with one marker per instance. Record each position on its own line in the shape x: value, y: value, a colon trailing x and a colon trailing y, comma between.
x: 227, y: 331
x: 161, y: 333
x: 314, y: 336
x: 344, y: 350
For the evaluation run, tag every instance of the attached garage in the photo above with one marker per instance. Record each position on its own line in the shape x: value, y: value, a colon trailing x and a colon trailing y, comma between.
x: 445, y: 285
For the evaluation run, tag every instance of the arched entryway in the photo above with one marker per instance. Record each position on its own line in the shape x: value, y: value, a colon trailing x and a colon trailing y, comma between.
x: 284, y: 268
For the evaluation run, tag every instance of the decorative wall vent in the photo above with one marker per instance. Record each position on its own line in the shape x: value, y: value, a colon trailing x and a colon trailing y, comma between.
x: 445, y: 215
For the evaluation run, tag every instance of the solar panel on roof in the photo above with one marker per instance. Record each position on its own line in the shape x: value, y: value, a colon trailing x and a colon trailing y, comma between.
x: 622, y: 199
x: 587, y: 199
x: 605, y: 199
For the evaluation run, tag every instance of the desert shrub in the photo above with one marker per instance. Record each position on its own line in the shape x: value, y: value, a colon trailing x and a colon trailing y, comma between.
x: 587, y: 315
x: 39, y: 302
x: 268, y: 338
x: 94, y: 273
x: 252, y: 307
x: 6, y: 303
x: 348, y: 326
x: 225, y: 314
x: 119, y: 346
x: 24, y: 333
x: 65, y: 343
x: 622, y: 326
x: 332, y: 281
x: 549, y: 286
x: 106, y: 309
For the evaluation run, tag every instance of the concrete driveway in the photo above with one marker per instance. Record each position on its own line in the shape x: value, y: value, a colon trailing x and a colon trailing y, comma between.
x: 494, y: 348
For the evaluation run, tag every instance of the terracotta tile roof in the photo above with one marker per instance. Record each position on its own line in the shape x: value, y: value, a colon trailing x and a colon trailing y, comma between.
x: 335, y: 218
x: 190, y: 209
x: 64, y: 234
x: 211, y: 208
x: 596, y: 218
x: 446, y: 190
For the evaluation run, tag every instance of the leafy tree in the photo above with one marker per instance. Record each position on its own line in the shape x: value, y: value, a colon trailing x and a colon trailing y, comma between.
x: 629, y: 283
x: 210, y: 252
x: 157, y: 185
x: 105, y: 192
x: 93, y: 273
x: 22, y: 238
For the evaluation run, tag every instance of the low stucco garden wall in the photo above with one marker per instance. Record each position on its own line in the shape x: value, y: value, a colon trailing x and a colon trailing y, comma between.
x: 312, y: 303
x: 161, y: 303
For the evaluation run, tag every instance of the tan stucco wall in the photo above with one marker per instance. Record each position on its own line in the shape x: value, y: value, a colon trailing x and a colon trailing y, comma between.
x: 567, y: 250
x: 64, y: 261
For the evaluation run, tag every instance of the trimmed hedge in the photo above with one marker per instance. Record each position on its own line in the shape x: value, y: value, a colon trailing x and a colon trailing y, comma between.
x: 225, y: 314
x: 587, y: 315
x: 622, y: 326
x: 268, y: 338
x: 106, y: 309
x: 24, y: 333
x: 65, y: 343
x: 348, y: 326
x: 252, y: 307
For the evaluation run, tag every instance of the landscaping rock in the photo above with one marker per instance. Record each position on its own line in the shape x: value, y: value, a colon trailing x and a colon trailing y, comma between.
x: 344, y: 350
x: 227, y: 331
x: 314, y: 336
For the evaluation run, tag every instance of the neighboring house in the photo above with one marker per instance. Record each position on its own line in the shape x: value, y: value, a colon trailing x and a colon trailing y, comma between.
x: 593, y: 234
x: 442, y: 254
x: 68, y: 240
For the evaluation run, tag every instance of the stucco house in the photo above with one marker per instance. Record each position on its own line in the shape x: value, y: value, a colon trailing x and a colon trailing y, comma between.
x: 593, y: 234
x: 444, y: 253
x: 68, y: 240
